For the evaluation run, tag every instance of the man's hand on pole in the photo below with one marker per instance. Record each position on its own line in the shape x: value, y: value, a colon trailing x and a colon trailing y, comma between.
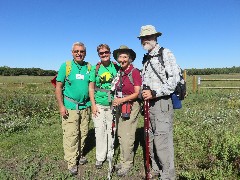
x: 146, y: 94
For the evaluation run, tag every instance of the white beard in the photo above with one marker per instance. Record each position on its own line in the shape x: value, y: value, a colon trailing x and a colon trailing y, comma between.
x: 149, y: 45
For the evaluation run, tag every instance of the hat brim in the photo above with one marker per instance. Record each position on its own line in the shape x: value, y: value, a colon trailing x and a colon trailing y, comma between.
x: 156, y: 34
x: 130, y: 51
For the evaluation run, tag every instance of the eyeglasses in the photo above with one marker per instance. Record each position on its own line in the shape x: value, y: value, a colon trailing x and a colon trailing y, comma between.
x: 122, y: 62
x: 77, y: 51
x: 105, y: 52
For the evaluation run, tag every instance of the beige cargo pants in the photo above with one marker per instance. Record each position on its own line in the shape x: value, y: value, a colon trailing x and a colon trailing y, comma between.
x: 126, y: 135
x: 75, y: 129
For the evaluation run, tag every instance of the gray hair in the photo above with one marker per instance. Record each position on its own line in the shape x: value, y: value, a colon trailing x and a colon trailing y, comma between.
x: 78, y: 44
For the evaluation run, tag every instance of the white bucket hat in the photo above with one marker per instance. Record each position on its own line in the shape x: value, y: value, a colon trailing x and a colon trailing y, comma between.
x: 148, y: 30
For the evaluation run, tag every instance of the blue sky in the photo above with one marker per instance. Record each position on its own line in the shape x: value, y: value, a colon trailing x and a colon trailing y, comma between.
x: 40, y: 33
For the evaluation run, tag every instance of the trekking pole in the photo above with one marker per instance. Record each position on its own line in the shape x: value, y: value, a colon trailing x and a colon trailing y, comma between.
x: 112, y: 143
x: 114, y: 113
x: 146, y: 130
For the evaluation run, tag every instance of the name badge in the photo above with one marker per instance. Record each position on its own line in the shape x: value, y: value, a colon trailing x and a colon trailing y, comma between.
x: 79, y: 76
x: 119, y: 94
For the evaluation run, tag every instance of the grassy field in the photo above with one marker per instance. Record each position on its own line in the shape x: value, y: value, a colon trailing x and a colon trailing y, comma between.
x: 206, y: 134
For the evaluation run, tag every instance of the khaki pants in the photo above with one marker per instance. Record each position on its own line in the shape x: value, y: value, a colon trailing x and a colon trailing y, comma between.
x: 103, y: 129
x: 75, y: 129
x: 126, y: 135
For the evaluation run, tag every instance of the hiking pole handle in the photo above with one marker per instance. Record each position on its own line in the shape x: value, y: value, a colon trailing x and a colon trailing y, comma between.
x: 145, y: 87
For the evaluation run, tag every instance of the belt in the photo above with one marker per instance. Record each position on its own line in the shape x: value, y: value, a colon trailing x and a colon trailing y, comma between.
x: 77, y: 103
x: 107, y: 91
x: 161, y: 97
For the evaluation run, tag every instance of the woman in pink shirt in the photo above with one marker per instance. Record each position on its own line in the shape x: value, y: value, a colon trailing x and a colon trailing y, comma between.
x: 127, y: 87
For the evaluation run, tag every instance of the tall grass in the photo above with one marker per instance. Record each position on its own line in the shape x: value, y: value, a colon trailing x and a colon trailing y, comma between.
x: 206, y: 137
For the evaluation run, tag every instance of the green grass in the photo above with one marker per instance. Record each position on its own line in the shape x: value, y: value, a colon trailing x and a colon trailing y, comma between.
x: 38, y: 153
x: 206, y: 136
x: 25, y: 79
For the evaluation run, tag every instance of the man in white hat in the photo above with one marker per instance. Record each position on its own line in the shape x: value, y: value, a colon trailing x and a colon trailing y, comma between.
x: 160, y: 75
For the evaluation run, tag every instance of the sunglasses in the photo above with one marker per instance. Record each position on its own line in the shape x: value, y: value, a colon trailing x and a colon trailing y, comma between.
x: 77, y: 51
x: 105, y: 52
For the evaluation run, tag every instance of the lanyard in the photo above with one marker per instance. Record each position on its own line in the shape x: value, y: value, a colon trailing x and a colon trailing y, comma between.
x: 79, y: 68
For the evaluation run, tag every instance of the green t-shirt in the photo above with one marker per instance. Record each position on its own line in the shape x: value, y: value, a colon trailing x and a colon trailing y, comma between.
x: 103, y: 81
x: 76, y: 87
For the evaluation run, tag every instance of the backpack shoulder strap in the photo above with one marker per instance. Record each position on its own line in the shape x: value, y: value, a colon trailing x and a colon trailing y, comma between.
x: 89, y: 67
x: 160, y: 56
x: 130, y: 75
x: 117, y: 67
x: 97, y: 68
x: 68, y: 70
x: 68, y: 67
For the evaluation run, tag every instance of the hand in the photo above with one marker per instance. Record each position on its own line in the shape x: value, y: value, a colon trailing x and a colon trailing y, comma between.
x: 63, y: 111
x: 118, y: 101
x: 146, y: 94
x: 95, y: 110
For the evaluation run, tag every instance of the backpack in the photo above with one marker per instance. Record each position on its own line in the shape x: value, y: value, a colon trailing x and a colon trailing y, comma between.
x: 181, y: 89
x: 68, y: 70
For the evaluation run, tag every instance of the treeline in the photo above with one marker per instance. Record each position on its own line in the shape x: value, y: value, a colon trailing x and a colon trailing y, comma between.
x: 208, y: 71
x: 7, y: 71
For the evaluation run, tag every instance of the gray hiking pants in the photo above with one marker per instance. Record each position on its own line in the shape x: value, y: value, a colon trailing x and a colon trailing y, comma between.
x: 161, y: 137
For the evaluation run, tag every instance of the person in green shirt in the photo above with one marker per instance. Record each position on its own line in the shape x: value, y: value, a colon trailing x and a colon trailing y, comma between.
x: 101, y: 77
x: 72, y: 94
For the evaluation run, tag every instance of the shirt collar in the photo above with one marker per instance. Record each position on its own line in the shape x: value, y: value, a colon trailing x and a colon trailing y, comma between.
x: 155, y: 50
x: 128, y: 70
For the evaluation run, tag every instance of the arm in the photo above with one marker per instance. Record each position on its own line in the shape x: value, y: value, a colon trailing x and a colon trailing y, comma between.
x: 58, y: 92
x: 118, y: 101
x: 172, y: 70
x: 95, y: 110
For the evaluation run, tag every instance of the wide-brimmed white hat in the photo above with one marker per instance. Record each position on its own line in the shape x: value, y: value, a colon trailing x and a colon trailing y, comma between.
x: 148, y: 30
